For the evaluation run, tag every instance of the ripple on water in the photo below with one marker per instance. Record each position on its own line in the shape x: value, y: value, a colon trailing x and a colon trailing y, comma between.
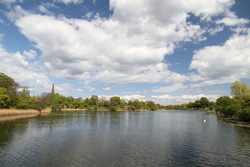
x: 159, y: 138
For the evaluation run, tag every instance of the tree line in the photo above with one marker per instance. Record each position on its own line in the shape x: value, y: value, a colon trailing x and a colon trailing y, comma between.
x: 13, y: 96
x: 236, y: 107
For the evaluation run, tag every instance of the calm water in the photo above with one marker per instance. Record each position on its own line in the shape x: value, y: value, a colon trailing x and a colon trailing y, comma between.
x: 160, y: 138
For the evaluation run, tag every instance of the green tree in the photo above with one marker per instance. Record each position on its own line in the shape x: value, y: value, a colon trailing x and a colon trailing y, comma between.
x: 183, y: 106
x: 4, y: 98
x: 197, y: 104
x: 77, y: 103
x: 137, y: 104
x: 69, y: 102
x: 93, y: 100
x: 190, y: 105
x: 11, y: 86
x: 212, y: 105
x: 24, y: 99
x: 244, y: 114
x: 56, y: 102
x: 115, y: 101
x: 223, y: 105
x: 106, y: 104
x: 151, y: 105
x: 240, y: 91
x: 204, y: 102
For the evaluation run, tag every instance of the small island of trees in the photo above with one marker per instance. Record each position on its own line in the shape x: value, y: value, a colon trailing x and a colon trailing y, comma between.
x: 13, y: 96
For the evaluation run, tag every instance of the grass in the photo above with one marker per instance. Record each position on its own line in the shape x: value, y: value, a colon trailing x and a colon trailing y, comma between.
x: 12, y: 112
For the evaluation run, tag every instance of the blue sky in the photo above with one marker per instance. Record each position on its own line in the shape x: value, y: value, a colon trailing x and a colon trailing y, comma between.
x: 171, y: 52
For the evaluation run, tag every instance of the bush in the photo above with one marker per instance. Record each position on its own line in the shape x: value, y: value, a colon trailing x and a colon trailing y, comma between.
x: 244, y: 114
x: 112, y: 108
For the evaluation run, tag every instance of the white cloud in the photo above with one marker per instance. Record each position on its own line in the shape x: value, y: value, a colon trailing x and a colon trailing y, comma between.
x: 43, y: 9
x: 172, y: 88
x: 65, y: 88
x: 25, y: 73
x: 106, y: 89
x: 232, y: 20
x: 226, y: 63
x: 8, y: 2
x: 69, y: 1
x: 129, y: 47
x: 168, y: 99
x: 31, y: 54
x: 215, y: 30
x: 133, y: 97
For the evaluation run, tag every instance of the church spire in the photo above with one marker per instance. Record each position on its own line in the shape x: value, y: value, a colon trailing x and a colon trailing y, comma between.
x: 52, y: 90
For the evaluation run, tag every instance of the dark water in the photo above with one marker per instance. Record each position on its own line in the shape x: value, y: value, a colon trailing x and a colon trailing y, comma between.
x: 100, y: 139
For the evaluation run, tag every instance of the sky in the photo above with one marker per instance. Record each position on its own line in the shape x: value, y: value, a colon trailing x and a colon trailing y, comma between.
x: 171, y: 52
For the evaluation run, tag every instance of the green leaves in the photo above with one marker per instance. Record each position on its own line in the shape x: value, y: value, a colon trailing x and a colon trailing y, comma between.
x: 4, y: 98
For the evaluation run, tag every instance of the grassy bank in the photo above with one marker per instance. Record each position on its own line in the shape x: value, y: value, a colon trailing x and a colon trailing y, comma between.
x: 12, y: 112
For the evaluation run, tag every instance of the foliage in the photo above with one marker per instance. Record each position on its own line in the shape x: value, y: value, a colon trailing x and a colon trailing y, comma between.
x: 212, y: 105
x: 244, y: 114
x: 56, y: 102
x: 24, y: 99
x: 11, y: 86
x: 151, y: 105
x: 115, y: 101
x: 93, y: 100
x: 240, y: 91
x: 137, y: 104
x: 4, y: 98
x: 197, y: 104
x: 204, y: 102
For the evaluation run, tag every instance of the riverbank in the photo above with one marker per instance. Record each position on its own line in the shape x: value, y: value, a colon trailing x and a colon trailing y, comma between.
x: 12, y: 112
x: 230, y: 120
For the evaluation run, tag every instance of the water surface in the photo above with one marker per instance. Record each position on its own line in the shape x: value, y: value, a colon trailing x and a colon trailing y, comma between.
x: 159, y: 138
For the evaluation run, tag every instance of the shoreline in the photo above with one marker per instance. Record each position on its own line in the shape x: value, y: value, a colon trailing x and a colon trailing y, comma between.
x: 13, y: 114
x: 230, y: 120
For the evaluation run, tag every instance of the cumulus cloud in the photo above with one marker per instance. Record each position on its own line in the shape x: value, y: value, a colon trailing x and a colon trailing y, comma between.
x: 65, y: 88
x: 232, y: 20
x: 173, y: 88
x: 106, y: 89
x: 129, y: 47
x: 31, y: 54
x: 133, y: 97
x: 8, y: 2
x: 226, y: 63
x: 124, y: 97
x: 25, y: 73
x: 168, y: 99
x: 69, y: 1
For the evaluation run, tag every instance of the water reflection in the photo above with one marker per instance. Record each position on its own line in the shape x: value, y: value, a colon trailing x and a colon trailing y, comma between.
x: 161, y: 138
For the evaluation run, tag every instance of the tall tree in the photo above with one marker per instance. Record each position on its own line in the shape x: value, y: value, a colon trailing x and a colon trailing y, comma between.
x: 24, y: 99
x: 11, y: 86
x: 151, y: 105
x: 115, y: 101
x: 94, y: 100
x: 56, y: 102
x: 204, y: 102
x: 4, y: 98
x: 240, y: 91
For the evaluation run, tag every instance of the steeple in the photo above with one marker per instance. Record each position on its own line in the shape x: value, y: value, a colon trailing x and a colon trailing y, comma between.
x: 52, y: 90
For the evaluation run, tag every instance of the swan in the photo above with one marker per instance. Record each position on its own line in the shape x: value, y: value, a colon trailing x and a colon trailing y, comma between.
x: 205, y: 120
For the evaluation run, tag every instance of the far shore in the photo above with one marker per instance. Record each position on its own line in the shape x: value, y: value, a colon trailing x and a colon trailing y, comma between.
x: 72, y: 109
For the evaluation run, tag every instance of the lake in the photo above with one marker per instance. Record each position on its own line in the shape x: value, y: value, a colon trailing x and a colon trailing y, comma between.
x: 110, y: 139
